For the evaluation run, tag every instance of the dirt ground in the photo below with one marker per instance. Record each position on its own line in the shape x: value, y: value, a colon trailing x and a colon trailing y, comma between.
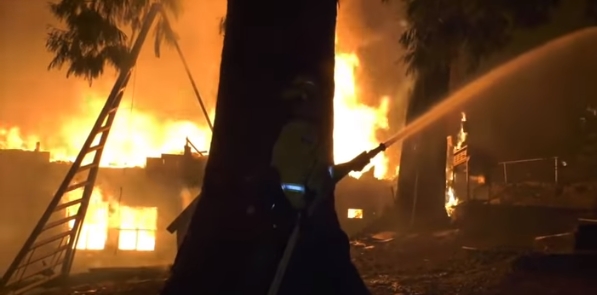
x: 420, y: 264
x: 440, y: 263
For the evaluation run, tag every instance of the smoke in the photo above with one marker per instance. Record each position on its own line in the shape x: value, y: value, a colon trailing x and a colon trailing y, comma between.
x: 187, y: 195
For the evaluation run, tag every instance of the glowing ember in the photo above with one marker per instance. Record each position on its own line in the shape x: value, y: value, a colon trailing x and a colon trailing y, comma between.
x: 355, y: 213
x: 136, y: 226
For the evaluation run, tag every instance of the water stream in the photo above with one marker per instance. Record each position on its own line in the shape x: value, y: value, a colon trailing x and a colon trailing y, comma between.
x: 565, y: 66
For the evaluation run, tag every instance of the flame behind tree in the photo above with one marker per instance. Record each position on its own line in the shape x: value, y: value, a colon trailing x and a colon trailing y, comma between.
x: 355, y: 123
x: 138, y: 134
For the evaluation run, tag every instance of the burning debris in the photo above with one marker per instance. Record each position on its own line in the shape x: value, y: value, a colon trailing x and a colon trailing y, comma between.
x: 456, y: 155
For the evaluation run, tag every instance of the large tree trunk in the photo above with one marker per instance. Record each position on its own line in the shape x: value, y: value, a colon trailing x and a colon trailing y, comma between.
x: 422, y: 179
x: 267, y: 43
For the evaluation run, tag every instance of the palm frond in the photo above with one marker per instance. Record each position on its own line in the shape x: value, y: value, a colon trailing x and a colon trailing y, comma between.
x: 163, y: 34
x: 94, y: 34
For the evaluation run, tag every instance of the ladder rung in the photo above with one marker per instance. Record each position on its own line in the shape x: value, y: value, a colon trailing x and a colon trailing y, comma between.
x: 86, y: 167
x: 104, y: 128
x: 40, y: 258
x: 94, y: 148
x: 67, y: 204
x: 112, y: 110
x: 35, y: 284
x: 58, y: 262
x: 49, y: 240
x: 59, y: 222
x: 41, y: 281
x: 77, y: 185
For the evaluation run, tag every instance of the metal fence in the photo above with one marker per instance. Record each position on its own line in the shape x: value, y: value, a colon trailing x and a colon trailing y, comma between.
x: 542, y: 170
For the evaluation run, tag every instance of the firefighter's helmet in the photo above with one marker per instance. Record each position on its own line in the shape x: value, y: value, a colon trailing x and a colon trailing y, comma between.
x: 301, y: 97
x: 301, y: 89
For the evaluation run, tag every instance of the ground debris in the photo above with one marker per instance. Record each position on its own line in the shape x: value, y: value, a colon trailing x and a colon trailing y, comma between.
x: 144, y: 287
x: 118, y: 281
x: 439, y: 264
x: 412, y: 264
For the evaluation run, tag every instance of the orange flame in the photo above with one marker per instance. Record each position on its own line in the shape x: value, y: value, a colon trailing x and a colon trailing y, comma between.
x: 136, y: 226
x: 355, y: 123
x: 136, y: 134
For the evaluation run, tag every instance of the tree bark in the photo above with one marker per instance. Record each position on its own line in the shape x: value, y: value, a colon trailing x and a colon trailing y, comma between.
x: 422, y: 179
x: 267, y: 43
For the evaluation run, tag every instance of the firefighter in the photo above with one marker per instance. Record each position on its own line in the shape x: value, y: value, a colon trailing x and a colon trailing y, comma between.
x: 298, y: 155
x: 321, y: 263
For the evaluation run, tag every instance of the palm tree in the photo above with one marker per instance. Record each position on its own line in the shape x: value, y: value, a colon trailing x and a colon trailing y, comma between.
x: 440, y: 32
x: 99, y: 33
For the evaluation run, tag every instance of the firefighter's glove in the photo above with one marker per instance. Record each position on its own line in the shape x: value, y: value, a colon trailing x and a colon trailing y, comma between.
x: 320, y: 182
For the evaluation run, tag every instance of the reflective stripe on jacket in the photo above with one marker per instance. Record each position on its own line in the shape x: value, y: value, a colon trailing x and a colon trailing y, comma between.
x: 296, y: 156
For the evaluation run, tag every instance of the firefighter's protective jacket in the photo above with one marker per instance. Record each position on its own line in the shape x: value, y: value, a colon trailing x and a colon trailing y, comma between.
x: 299, y: 160
x: 298, y: 156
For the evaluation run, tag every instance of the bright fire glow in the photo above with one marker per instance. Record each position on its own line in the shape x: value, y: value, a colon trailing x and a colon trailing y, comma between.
x: 461, y: 133
x: 135, y: 135
x: 355, y: 123
x: 138, y: 134
x: 136, y: 226
x: 355, y: 213
x: 94, y: 234
x: 451, y: 202
x: 451, y: 199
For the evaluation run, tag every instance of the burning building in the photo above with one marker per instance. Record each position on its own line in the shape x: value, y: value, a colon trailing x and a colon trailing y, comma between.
x: 138, y: 193
x: 137, y: 196
x: 126, y: 216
